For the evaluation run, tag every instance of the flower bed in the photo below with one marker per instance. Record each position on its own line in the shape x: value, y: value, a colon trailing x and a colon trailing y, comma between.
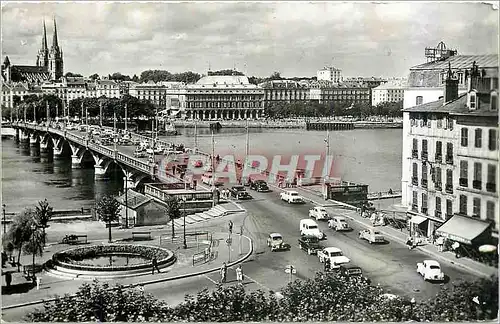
x: 67, y: 259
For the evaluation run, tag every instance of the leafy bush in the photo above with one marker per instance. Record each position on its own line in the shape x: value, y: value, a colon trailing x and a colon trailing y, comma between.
x: 325, y: 298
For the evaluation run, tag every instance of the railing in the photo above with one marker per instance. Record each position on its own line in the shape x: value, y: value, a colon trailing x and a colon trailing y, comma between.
x: 477, y: 184
x: 424, y: 156
x: 414, y: 181
x: 449, y: 188
x: 438, y: 158
x: 463, y: 182
x: 424, y: 183
x: 143, y: 166
x: 438, y: 186
x: 491, y: 187
x: 449, y: 159
x: 414, y: 154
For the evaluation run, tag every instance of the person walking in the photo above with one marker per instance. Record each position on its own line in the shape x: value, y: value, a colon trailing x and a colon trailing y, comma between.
x: 8, y: 279
x: 154, y: 261
x: 239, y: 275
x: 223, y: 273
x: 230, y: 227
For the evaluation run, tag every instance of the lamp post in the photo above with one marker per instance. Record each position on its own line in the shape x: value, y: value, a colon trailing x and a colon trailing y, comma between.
x: 412, y: 305
x: 126, y: 200
x: 4, y: 223
x: 33, y: 229
x: 100, y: 113
x: 81, y: 115
x: 327, y: 156
x: 214, y: 177
x: 184, y: 221
x: 34, y: 113
x: 126, y: 117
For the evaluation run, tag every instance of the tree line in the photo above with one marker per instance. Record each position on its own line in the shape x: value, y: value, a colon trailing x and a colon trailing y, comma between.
x: 327, y: 297
x: 280, y: 110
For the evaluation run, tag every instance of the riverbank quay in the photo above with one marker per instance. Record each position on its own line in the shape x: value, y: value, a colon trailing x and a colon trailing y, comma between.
x: 398, y: 235
x: 27, y: 295
x: 309, y: 124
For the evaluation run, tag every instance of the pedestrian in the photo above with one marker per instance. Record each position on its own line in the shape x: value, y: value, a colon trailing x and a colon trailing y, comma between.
x: 327, y: 265
x: 223, y: 273
x: 239, y: 275
x: 4, y: 258
x: 154, y: 261
x: 141, y: 288
x: 8, y: 279
x: 455, y: 246
x: 409, y: 242
x: 230, y: 227
x: 390, y: 191
x: 440, y: 243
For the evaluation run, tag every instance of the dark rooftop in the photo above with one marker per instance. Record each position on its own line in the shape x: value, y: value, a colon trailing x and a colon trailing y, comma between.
x: 455, y: 107
x: 460, y: 62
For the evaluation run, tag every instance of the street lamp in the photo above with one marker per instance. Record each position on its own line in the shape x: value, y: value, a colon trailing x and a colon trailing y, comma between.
x: 4, y: 224
x: 412, y: 305
x: 33, y: 229
x: 184, y: 216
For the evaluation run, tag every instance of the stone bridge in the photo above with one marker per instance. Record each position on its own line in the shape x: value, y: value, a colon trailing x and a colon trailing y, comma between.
x: 82, y: 148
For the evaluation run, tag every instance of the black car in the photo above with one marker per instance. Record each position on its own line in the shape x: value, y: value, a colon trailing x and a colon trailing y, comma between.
x: 350, y: 271
x: 309, y: 244
x: 259, y: 186
x: 239, y: 192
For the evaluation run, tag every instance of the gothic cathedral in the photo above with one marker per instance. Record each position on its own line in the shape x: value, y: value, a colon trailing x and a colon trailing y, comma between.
x: 51, y: 59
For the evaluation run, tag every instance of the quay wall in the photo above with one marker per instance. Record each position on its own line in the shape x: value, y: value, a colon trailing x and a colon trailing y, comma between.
x: 297, y: 124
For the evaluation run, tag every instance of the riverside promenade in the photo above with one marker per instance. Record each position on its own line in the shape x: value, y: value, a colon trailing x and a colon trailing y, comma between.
x: 24, y: 296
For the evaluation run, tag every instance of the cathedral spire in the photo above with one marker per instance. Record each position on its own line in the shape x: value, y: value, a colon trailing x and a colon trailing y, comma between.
x: 54, y: 39
x: 44, y: 39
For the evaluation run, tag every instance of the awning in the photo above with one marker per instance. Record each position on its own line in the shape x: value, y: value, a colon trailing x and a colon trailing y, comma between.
x: 462, y: 229
x: 416, y: 219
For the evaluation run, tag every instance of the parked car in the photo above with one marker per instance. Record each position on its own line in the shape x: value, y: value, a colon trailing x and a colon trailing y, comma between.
x: 275, y: 242
x: 239, y: 192
x: 259, y: 186
x: 430, y: 270
x: 291, y: 197
x: 338, y: 223
x: 197, y: 163
x: 310, y: 244
x: 372, y: 236
x: 334, y: 255
x: 309, y: 227
x: 350, y: 271
x: 319, y: 213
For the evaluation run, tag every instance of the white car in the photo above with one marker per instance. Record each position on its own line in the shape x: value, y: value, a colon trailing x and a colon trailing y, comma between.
x: 334, y: 255
x: 430, y: 270
x: 338, y: 223
x: 309, y: 227
x: 318, y: 213
x: 291, y: 197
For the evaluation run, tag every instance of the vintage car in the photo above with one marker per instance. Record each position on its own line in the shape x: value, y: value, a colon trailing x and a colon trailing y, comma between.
x: 372, y: 236
x: 197, y: 163
x: 309, y: 227
x: 334, y: 255
x: 291, y: 197
x: 259, y: 186
x: 350, y: 271
x: 430, y: 270
x: 239, y: 192
x: 338, y: 223
x: 275, y: 242
x: 309, y: 244
x: 319, y: 213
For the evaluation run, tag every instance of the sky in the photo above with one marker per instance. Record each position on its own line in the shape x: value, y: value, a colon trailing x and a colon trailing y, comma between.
x: 257, y: 38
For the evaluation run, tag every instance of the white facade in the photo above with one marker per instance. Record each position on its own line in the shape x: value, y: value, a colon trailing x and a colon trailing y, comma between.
x: 387, y: 93
x: 418, y: 96
x: 330, y: 74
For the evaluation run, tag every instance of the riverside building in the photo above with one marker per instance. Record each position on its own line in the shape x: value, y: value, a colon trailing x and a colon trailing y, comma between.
x: 450, y: 159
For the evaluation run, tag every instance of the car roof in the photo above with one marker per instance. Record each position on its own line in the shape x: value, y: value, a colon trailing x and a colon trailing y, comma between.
x: 275, y: 234
x: 332, y: 249
x: 320, y: 208
x: 292, y: 191
x: 308, y: 221
x: 432, y: 262
x: 339, y: 217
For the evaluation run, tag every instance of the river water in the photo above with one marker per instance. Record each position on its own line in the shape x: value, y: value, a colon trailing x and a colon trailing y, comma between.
x: 370, y: 156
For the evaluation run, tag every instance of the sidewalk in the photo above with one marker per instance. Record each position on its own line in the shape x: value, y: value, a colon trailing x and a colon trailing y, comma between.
x: 348, y: 211
x: 182, y: 268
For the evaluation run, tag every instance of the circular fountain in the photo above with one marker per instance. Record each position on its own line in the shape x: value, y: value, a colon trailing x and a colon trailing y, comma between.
x: 108, y: 261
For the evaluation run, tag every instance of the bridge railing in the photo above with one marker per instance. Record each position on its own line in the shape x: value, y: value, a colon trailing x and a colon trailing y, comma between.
x: 143, y: 166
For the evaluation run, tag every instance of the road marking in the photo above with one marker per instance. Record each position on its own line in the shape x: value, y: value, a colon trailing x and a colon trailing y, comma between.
x: 215, y: 282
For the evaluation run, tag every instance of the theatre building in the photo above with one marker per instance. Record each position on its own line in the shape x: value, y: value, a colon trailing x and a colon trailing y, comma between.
x: 223, y: 97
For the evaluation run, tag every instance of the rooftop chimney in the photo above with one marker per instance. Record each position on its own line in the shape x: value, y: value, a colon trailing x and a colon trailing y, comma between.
x: 451, y: 86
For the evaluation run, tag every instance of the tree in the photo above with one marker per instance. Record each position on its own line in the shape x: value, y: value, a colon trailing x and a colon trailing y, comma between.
x: 70, y: 74
x: 94, y: 77
x: 43, y: 214
x: 20, y: 231
x: 225, y: 72
x: 120, y: 77
x: 275, y: 76
x: 108, y: 210
x: 173, y: 211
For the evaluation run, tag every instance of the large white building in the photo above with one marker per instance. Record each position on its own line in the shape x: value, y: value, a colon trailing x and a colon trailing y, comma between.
x: 392, y: 91
x: 450, y: 158
x: 329, y: 73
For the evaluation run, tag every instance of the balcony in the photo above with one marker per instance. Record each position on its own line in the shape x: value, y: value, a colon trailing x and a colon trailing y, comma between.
x: 437, y: 213
x: 424, y: 210
x: 476, y: 184
x: 448, y: 188
x: 463, y: 182
x: 425, y: 155
x: 414, y: 208
x: 414, y: 181
x: 438, y: 186
x: 414, y: 154
x: 424, y: 183
x: 438, y: 158
x: 449, y: 159
x: 491, y: 187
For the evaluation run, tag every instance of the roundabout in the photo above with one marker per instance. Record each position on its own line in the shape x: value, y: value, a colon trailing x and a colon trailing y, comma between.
x: 108, y: 261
